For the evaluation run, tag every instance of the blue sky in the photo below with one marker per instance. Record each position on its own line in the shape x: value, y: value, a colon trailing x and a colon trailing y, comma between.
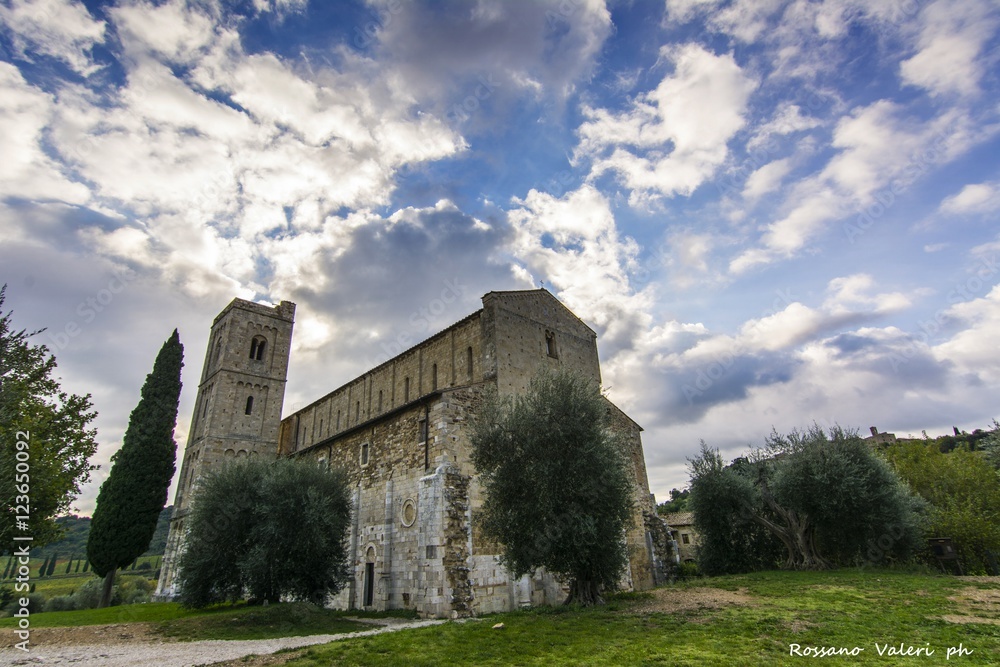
x: 773, y: 212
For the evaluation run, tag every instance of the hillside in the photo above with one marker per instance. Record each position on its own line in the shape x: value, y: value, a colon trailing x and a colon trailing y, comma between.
x: 74, y: 541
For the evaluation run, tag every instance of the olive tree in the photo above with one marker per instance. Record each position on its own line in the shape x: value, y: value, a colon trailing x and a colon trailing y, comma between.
x: 266, y: 529
x: 558, y: 493
x: 829, y: 500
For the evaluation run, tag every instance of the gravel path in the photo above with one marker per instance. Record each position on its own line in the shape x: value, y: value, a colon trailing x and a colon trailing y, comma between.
x: 175, y: 654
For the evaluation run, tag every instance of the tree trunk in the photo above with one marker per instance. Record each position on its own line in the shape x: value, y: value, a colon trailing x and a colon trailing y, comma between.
x: 584, y: 593
x: 109, y: 582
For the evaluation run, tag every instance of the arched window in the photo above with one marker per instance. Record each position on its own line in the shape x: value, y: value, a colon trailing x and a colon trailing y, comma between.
x: 550, y: 345
x: 249, y: 408
x: 257, y: 346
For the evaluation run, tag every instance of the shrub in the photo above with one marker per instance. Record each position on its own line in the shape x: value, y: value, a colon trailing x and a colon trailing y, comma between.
x: 688, y: 570
x: 88, y: 596
x: 60, y: 603
x: 36, y: 604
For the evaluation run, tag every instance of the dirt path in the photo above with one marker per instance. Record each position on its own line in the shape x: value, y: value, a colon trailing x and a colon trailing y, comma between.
x: 130, y: 645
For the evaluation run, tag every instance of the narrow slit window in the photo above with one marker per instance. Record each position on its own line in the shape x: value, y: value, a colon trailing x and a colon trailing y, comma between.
x: 364, y: 454
x: 357, y: 411
x: 550, y: 344
x: 380, y: 400
x: 468, y: 364
x: 249, y: 407
x: 434, y: 377
x: 406, y: 390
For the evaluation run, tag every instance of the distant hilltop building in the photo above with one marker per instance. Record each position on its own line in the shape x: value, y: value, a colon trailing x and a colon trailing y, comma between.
x: 877, y: 438
x: 401, y: 432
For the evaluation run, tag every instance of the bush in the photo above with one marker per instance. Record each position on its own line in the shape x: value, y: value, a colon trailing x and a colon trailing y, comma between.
x: 60, y: 603
x: 88, y: 596
x: 133, y: 590
x: 687, y: 570
x: 6, y: 595
x: 36, y: 604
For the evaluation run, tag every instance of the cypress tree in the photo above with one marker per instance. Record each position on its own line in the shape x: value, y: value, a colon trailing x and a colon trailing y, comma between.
x: 86, y: 565
x: 77, y: 566
x: 52, y: 566
x: 69, y: 565
x: 45, y: 566
x: 135, y: 492
x: 6, y: 570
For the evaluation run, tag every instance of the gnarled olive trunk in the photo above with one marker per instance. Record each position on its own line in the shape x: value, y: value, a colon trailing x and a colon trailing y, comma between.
x: 585, y: 593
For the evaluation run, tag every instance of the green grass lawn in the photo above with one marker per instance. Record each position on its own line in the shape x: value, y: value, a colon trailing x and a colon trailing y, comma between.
x: 842, y: 609
x: 225, y: 621
x: 846, y: 608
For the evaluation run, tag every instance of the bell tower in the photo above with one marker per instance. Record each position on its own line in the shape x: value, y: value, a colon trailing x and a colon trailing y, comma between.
x: 238, y: 410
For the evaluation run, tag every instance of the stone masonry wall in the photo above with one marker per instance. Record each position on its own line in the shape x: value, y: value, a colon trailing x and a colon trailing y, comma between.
x: 441, y: 362
x: 522, y: 324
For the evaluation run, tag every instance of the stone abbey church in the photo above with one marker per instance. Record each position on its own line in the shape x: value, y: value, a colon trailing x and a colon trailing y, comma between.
x: 401, y: 432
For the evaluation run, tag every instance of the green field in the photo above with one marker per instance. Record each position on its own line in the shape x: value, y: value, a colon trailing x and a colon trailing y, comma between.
x: 61, y: 583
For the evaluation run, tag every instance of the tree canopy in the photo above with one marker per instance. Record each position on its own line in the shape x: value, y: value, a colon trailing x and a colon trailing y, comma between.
x: 558, y: 493
x: 132, y: 497
x: 266, y: 529
x: 678, y: 502
x: 827, y: 499
x: 963, y: 490
x: 54, y: 425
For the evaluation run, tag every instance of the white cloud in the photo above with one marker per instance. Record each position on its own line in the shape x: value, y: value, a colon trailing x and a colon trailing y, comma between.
x: 849, y: 293
x: 687, y: 255
x: 972, y: 199
x: 26, y: 171
x: 880, y: 154
x: 746, y: 20
x: 174, y: 30
x: 952, y: 36
x: 974, y: 347
x: 446, y: 51
x: 685, y: 10
x: 766, y: 179
x: 788, y: 119
x: 211, y: 161
x: 672, y: 138
x: 62, y: 29
x: 573, y: 244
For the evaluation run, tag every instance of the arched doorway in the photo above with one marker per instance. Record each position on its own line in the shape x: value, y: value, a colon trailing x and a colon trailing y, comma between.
x: 369, y: 583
